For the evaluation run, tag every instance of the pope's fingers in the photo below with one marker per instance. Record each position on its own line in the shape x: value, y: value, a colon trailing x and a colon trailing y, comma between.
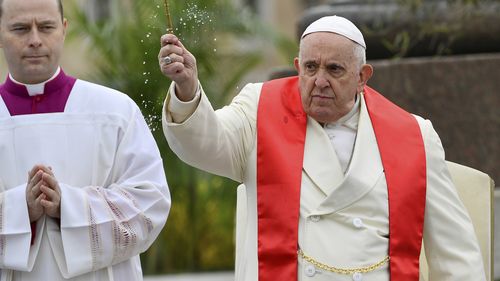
x: 171, y: 58
x: 169, y: 39
x: 170, y: 49
x: 179, y: 43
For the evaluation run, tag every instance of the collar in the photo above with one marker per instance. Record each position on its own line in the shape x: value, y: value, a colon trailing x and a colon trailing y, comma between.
x: 20, y: 89
x: 350, y: 120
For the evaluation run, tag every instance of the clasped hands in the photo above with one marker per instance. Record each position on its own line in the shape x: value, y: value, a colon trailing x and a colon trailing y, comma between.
x: 43, y: 194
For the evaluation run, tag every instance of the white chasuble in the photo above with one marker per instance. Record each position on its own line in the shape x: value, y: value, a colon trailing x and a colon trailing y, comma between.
x: 343, y: 217
x: 114, y: 195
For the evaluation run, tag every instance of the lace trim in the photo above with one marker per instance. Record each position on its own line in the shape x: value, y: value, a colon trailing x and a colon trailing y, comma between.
x: 146, y: 221
x: 124, y: 235
x: 95, y: 240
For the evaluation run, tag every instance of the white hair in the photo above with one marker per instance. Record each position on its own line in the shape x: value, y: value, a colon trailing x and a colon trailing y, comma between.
x: 360, y: 54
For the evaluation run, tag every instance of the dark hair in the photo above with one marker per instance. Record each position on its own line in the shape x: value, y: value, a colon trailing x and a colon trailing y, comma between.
x: 59, y: 2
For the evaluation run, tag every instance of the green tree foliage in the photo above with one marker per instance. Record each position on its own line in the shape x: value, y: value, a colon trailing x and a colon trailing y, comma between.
x: 199, y: 234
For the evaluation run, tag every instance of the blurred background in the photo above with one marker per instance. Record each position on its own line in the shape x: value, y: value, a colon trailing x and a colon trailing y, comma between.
x: 436, y: 58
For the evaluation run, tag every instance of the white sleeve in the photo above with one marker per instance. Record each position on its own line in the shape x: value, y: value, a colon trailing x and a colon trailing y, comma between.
x: 105, y: 225
x: 451, y: 246
x: 218, y: 142
x: 16, y: 251
x: 180, y: 110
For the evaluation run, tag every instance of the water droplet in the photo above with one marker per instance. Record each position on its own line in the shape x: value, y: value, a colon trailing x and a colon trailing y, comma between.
x: 146, y: 81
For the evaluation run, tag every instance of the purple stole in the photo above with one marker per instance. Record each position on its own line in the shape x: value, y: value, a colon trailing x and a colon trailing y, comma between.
x: 56, y: 94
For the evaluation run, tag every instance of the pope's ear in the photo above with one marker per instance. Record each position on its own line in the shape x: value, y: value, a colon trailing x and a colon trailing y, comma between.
x: 365, y: 74
x: 296, y: 63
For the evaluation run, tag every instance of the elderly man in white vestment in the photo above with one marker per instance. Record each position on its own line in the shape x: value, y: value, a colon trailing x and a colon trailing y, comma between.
x: 340, y: 183
x: 82, y: 186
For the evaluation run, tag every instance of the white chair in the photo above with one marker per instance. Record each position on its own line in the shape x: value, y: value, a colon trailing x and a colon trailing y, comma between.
x: 475, y: 189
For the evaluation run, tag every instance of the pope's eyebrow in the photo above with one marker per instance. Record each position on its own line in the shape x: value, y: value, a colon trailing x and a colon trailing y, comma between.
x: 334, y: 65
x: 311, y: 61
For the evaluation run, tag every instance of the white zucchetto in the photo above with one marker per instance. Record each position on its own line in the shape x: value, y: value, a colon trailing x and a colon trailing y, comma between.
x: 339, y: 25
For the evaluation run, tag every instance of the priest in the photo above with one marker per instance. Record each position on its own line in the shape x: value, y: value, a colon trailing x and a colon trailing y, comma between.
x: 341, y: 184
x: 82, y: 186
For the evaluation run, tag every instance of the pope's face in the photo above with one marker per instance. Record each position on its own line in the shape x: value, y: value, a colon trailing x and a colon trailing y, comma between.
x: 330, y: 75
x: 32, y: 37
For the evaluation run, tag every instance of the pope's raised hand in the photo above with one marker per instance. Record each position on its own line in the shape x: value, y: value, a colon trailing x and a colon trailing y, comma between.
x: 178, y: 64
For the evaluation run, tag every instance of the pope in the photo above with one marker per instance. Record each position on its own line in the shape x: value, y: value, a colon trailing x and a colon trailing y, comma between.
x: 340, y: 183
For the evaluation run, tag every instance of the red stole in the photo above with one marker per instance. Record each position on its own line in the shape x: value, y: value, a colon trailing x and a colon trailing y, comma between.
x: 281, y: 131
